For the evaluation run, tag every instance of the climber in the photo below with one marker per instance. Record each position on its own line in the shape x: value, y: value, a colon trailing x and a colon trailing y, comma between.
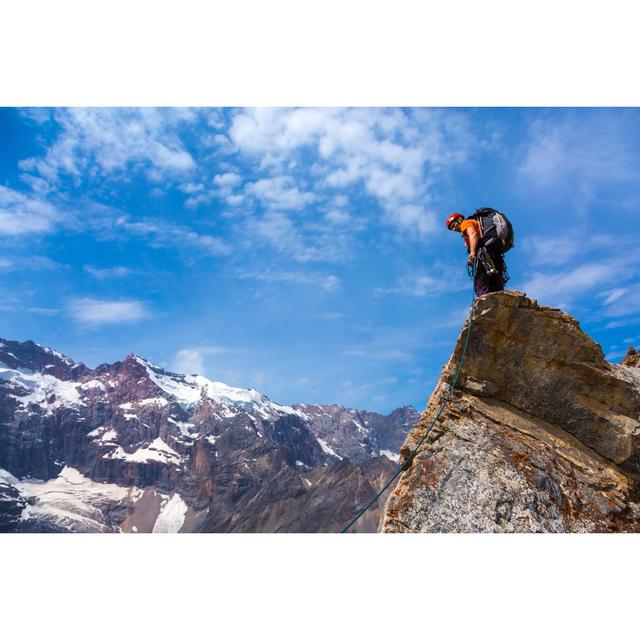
x: 488, y: 235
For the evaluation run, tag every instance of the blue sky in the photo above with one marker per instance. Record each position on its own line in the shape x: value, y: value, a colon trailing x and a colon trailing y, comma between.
x: 302, y: 251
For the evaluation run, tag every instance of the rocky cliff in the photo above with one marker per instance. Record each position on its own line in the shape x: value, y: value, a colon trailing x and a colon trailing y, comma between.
x: 542, y: 433
x: 129, y: 446
x: 632, y: 359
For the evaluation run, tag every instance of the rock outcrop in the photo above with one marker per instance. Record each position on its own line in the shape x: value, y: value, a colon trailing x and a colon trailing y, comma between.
x: 541, y: 434
x: 632, y: 359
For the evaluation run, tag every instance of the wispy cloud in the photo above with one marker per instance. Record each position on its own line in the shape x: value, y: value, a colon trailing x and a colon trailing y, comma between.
x: 612, y: 295
x: 377, y: 354
x: 94, y: 312
x: 108, y: 273
x: 103, y: 142
x: 165, y: 234
x: 192, y: 359
x: 22, y: 214
x: 386, y: 343
x: 561, y: 286
x: 332, y: 315
x: 328, y: 282
x: 29, y: 263
x: 581, y: 150
x: 622, y: 301
x: 299, y: 241
x: 391, y: 154
x: 228, y: 179
x: 455, y: 318
x: 419, y: 284
x: 280, y: 193
x: 224, y: 187
x: 561, y: 275
x: 44, y: 311
x: 552, y: 251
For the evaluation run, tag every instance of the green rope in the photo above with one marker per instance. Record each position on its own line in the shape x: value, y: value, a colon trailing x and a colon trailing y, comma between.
x: 404, y: 465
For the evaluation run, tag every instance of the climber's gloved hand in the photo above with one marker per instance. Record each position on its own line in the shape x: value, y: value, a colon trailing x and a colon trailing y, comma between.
x: 471, y: 259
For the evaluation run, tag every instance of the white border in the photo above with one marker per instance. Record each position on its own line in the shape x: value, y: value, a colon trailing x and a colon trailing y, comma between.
x: 318, y: 586
x: 312, y: 52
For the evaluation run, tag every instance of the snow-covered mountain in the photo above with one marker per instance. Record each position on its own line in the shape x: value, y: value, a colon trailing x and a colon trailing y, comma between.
x: 129, y: 446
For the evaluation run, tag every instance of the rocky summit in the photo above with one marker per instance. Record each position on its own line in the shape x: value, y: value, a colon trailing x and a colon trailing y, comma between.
x: 632, y: 359
x: 131, y: 447
x: 542, y: 434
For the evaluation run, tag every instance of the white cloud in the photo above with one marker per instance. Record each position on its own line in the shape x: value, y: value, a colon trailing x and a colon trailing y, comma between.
x: 622, y: 301
x: 389, y: 152
x: 410, y: 216
x: 29, y: 263
x: 297, y: 241
x: 111, y: 272
x: 163, y: 234
x: 558, y: 287
x: 102, y: 142
x: 22, y: 214
x: 235, y: 199
x: 581, y: 150
x: 456, y: 318
x: 420, y: 284
x: 191, y: 187
x: 99, y: 312
x: 328, y: 282
x: 189, y: 361
x: 616, y: 324
x: 192, y: 359
x: 280, y: 192
x: 275, y: 227
x: 378, y: 354
x: 331, y: 283
x: 229, y: 179
x: 613, y: 295
x: 223, y: 189
x: 552, y: 251
x: 338, y: 217
x: 37, y: 115
x: 614, y: 355
x: 44, y: 311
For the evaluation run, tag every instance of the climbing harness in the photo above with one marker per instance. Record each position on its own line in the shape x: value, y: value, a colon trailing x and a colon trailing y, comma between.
x: 486, y: 261
x: 405, y: 464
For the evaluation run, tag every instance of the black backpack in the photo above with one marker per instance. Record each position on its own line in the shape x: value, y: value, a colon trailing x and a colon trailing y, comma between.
x: 496, y: 229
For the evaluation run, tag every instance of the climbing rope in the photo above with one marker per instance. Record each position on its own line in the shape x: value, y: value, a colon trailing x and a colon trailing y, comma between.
x: 404, y: 465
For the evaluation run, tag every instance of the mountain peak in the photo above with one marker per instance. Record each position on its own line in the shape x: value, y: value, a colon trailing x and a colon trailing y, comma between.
x: 134, y: 357
x: 539, y: 435
x: 132, y: 447
x: 632, y: 359
x: 36, y: 357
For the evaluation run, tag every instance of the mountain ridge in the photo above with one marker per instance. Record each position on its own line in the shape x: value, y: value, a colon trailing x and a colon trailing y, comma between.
x: 73, y: 438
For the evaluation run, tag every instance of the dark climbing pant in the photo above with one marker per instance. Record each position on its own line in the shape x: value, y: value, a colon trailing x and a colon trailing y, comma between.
x: 485, y: 283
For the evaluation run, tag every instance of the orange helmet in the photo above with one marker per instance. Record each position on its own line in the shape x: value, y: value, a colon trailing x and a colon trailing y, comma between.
x: 452, y: 217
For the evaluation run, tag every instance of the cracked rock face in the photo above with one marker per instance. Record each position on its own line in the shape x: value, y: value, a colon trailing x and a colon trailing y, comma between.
x: 541, y: 434
x: 632, y: 359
